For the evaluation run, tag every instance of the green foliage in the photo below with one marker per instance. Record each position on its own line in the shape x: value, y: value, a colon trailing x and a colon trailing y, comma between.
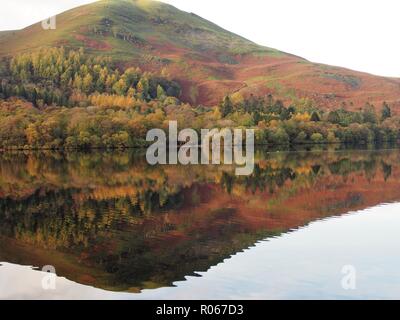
x: 280, y: 137
x: 160, y: 93
x: 315, y: 117
x: 334, y: 117
x: 301, y: 138
x: 57, y: 77
x: 386, y: 112
x: 226, y: 107
x: 369, y: 114
x: 317, y: 138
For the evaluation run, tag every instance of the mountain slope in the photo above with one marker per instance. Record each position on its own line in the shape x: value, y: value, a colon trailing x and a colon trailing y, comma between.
x: 207, y: 60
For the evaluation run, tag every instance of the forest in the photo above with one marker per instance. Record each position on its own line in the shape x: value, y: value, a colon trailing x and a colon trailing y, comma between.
x: 60, y: 99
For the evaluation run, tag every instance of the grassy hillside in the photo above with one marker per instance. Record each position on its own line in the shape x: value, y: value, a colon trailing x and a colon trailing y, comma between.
x: 205, y: 59
x: 4, y: 35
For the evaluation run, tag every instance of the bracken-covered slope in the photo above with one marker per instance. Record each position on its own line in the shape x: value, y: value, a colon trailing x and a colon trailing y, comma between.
x: 207, y: 60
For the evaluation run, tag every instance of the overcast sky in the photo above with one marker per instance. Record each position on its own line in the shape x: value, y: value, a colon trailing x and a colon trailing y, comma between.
x: 357, y: 34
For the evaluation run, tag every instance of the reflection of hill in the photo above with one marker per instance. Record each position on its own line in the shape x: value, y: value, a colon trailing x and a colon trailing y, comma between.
x: 111, y: 221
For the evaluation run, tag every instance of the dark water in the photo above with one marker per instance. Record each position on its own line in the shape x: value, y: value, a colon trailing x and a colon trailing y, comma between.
x: 114, y: 227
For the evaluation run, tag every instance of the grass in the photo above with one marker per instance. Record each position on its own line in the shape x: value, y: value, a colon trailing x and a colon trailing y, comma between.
x: 352, y: 81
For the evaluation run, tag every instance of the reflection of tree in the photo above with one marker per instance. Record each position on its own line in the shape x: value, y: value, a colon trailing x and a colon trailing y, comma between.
x: 344, y: 167
x: 387, y: 170
x: 53, y: 219
x: 120, y: 214
x: 95, y: 190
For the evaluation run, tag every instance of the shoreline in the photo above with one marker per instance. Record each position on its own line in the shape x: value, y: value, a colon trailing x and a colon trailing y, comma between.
x: 287, y: 147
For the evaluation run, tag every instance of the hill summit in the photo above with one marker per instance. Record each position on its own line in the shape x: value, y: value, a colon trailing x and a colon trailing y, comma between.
x: 206, y: 60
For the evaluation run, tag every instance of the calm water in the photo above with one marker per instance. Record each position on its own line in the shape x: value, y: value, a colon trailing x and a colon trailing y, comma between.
x: 115, y: 228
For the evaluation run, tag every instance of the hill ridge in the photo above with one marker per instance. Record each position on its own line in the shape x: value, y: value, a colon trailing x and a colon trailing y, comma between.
x: 206, y: 59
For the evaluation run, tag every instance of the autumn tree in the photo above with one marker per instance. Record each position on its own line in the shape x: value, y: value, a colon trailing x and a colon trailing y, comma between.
x: 226, y: 107
x: 386, y: 112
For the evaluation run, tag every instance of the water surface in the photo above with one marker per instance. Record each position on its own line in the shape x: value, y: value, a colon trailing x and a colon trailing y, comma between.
x: 114, y: 227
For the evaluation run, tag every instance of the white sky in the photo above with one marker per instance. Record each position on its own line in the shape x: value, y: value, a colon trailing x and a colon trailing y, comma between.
x: 357, y: 34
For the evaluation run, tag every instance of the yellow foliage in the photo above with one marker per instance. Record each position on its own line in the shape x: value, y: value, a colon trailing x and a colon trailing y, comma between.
x: 237, y: 98
x: 106, y: 100
x: 274, y: 124
x: 302, y: 117
x: 263, y: 124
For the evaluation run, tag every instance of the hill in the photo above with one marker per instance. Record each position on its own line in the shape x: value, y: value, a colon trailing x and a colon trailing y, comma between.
x: 205, y: 59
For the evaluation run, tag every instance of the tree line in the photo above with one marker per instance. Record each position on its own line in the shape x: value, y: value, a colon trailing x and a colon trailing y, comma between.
x: 56, y: 98
x: 306, y: 123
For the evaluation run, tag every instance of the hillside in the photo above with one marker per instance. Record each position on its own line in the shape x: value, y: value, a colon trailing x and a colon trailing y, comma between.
x: 205, y: 59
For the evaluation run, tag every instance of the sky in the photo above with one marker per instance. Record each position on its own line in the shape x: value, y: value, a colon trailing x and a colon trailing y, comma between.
x: 356, y: 34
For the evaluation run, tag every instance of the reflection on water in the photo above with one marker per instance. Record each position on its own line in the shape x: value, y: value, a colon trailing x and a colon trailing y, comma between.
x: 110, y: 221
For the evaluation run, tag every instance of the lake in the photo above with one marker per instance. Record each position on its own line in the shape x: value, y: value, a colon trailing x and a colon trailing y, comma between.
x: 319, y: 224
